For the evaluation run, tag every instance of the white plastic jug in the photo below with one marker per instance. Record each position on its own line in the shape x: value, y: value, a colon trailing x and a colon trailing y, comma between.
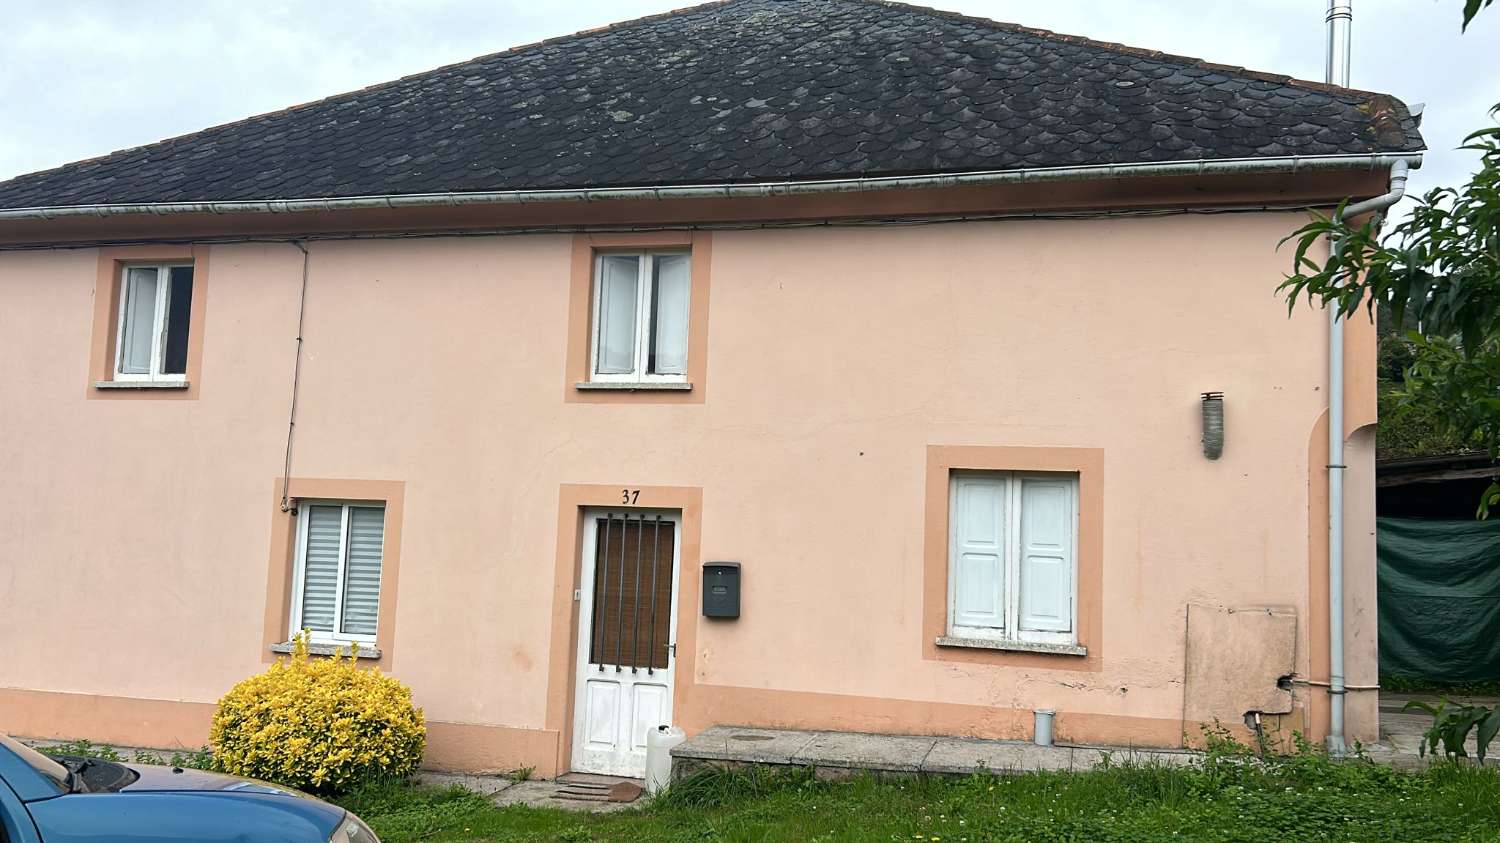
x: 659, y: 743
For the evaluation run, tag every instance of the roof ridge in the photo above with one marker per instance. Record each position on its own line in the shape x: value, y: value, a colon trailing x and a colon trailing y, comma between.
x: 1261, y: 75
x: 582, y: 33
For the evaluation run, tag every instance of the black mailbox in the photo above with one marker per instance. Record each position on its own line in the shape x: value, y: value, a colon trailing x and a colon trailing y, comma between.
x: 721, y: 589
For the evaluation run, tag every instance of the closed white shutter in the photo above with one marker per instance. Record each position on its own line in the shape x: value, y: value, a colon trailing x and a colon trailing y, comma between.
x: 138, y: 320
x: 362, y: 570
x: 669, y: 330
x: 619, y: 277
x: 320, y: 566
x: 977, y: 568
x: 1046, y: 564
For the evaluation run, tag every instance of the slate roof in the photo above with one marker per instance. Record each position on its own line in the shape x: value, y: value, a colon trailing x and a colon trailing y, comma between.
x: 743, y: 91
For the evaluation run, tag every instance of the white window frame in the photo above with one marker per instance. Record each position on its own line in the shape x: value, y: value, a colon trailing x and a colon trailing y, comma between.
x: 158, y: 323
x: 300, y: 561
x: 1011, y: 631
x: 643, y: 316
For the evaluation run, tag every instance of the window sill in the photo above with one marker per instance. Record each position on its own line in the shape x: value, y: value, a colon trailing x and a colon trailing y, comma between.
x: 141, y: 384
x: 362, y: 651
x: 634, y: 386
x: 1013, y: 646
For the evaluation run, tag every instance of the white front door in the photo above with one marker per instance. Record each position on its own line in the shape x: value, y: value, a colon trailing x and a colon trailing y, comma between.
x: 627, y: 629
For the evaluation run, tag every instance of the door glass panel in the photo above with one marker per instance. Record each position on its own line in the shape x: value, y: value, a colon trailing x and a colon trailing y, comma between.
x: 669, y: 325
x: 619, y: 277
x: 137, y: 321
x: 632, y: 592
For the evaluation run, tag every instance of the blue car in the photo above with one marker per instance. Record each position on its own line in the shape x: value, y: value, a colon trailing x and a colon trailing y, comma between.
x: 85, y: 800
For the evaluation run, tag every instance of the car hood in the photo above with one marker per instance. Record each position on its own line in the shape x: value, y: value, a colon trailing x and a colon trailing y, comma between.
x: 176, y: 779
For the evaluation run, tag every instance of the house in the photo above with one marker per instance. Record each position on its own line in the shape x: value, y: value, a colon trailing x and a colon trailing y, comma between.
x: 908, y: 315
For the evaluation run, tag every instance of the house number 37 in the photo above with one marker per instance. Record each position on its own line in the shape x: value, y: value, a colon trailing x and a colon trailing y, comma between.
x: 630, y: 496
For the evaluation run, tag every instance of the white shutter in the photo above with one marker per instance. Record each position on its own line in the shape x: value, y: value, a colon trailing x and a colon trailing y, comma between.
x: 320, y: 566
x: 1046, y: 564
x: 619, y: 277
x: 669, y: 330
x: 138, y: 320
x: 977, y: 567
x: 362, y: 570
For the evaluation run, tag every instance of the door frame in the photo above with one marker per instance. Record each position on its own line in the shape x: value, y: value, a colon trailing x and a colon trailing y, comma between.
x: 587, y: 556
x: 573, y: 499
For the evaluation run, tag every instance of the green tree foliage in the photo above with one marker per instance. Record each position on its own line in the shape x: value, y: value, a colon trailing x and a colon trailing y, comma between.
x: 1471, y: 8
x: 1439, y: 272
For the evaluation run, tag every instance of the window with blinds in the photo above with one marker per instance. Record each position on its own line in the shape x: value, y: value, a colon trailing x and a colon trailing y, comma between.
x: 1013, y: 556
x: 338, y: 571
x: 640, y: 316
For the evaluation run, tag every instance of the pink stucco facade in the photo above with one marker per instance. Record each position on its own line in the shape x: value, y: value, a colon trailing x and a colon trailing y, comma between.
x: 836, y: 357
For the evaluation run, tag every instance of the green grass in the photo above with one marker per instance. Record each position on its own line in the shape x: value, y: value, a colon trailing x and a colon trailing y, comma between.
x: 1227, y: 798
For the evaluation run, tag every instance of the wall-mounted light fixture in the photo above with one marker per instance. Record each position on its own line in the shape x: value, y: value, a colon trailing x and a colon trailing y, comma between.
x: 1213, y: 424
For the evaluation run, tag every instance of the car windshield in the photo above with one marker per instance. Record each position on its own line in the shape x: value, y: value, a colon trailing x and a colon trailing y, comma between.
x: 44, y: 765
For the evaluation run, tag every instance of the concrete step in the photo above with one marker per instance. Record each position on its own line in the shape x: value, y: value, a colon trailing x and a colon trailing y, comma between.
x: 834, y: 754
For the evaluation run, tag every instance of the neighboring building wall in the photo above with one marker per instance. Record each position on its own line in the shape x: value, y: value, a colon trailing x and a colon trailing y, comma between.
x: 135, y: 534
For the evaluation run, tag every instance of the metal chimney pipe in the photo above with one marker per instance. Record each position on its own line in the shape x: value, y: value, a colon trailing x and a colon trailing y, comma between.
x: 1340, y: 25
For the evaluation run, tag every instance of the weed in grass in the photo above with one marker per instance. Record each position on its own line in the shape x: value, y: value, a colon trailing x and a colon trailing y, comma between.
x: 202, y: 759
x: 714, y: 787
x: 199, y: 759
x: 85, y: 749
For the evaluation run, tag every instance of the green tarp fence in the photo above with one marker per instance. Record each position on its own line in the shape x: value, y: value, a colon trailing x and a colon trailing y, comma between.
x: 1439, y: 598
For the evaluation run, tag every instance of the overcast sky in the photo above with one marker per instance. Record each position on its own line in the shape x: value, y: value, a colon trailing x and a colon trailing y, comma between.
x: 80, y: 78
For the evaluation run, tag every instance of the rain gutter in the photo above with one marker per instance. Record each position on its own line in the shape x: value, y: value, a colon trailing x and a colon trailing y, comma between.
x: 1289, y: 165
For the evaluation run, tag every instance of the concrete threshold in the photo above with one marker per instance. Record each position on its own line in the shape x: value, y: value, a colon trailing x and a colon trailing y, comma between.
x: 836, y: 754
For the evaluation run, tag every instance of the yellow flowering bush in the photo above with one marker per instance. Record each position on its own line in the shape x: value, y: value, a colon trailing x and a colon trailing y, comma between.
x: 322, y: 725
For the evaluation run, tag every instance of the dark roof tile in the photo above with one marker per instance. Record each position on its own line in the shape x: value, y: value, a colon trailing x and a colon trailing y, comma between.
x: 746, y: 90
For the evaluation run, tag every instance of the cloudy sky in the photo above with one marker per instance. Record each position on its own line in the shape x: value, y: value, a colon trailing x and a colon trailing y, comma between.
x: 80, y: 78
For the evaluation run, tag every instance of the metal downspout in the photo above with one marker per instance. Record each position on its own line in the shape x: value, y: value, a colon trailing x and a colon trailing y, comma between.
x: 1336, y: 469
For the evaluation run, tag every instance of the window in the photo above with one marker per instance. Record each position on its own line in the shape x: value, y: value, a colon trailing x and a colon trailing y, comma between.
x: 336, y: 593
x: 640, y: 318
x: 1013, y: 540
x: 152, y: 326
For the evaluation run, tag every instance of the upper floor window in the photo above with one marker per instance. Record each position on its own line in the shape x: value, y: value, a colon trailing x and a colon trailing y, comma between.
x: 1012, y: 567
x: 640, y: 319
x: 336, y: 582
x: 153, y: 322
